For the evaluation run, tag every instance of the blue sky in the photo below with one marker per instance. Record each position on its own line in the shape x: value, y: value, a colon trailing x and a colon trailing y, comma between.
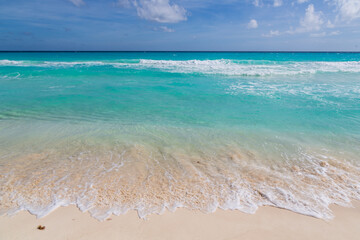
x: 227, y: 25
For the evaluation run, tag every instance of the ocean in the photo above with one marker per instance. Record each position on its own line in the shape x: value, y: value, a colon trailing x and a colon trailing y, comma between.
x: 153, y: 131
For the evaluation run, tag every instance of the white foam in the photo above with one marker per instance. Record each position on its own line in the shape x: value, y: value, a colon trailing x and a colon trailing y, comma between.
x: 313, y: 202
x: 250, y: 68
x: 220, y: 66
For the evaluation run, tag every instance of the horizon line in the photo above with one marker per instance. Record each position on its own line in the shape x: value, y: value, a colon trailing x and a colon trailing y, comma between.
x: 185, y: 51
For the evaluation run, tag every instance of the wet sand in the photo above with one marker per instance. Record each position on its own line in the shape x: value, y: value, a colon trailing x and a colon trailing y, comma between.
x: 267, y: 223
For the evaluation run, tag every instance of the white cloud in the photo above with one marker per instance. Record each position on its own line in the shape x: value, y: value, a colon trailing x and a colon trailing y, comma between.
x: 272, y: 33
x: 257, y: 3
x: 278, y: 3
x: 321, y: 34
x: 348, y: 9
x: 324, y: 34
x: 77, y: 3
x: 334, y: 33
x: 165, y: 29
x: 312, y: 20
x: 314, y: 23
x: 160, y: 11
x: 329, y: 24
x: 302, y: 1
x: 252, y: 24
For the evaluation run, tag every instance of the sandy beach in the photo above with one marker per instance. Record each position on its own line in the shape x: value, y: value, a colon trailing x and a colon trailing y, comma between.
x: 267, y: 223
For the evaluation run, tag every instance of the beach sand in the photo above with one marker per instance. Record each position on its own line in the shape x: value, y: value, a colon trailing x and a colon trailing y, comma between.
x: 267, y: 223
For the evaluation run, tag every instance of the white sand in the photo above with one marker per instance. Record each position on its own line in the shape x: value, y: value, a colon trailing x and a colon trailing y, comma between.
x: 267, y: 223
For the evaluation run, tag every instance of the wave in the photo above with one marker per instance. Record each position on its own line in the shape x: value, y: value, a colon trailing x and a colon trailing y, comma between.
x: 49, y: 63
x: 220, y: 66
x: 150, y: 181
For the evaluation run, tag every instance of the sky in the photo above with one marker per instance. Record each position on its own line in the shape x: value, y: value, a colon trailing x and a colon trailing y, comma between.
x: 180, y: 25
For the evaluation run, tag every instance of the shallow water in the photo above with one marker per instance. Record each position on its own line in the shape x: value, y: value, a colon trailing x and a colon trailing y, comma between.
x: 112, y: 132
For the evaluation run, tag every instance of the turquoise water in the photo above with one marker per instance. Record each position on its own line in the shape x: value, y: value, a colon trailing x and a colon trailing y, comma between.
x: 117, y: 131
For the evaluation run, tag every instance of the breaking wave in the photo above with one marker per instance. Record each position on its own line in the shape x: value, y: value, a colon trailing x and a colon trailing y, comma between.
x: 223, y: 66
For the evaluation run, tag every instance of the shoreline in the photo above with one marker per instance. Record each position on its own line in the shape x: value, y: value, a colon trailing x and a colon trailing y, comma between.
x: 268, y: 222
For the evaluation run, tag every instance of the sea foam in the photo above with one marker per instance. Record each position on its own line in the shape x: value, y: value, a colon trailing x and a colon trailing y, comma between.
x: 220, y: 66
x: 151, y: 180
